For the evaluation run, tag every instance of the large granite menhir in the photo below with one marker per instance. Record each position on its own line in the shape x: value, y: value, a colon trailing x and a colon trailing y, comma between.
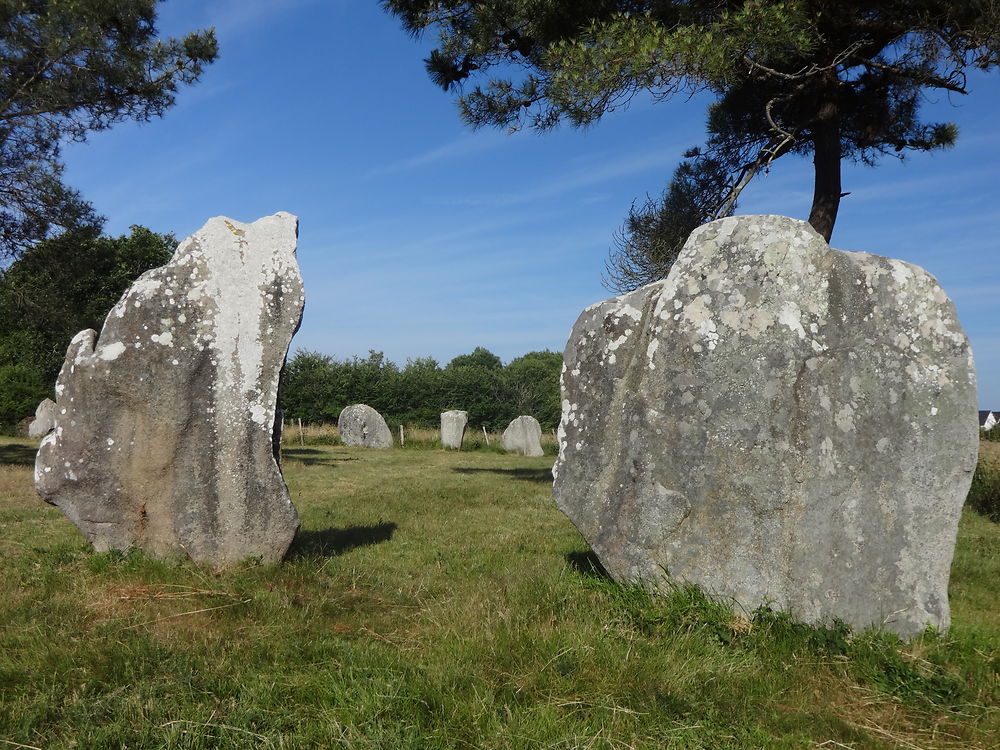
x: 778, y: 422
x: 361, y: 425
x: 164, y: 425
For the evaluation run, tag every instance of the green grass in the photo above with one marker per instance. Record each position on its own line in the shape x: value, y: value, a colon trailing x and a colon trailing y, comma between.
x: 438, y: 600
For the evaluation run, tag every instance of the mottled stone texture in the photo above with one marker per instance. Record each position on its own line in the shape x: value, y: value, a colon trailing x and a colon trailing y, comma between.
x: 45, y: 419
x: 523, y: 435
x: 361, y: 425
x: 453, y: 428
x: 163, y: 437
x: 776, y: 422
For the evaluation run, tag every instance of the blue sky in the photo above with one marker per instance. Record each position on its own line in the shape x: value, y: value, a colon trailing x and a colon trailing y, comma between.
x: 421, y: 237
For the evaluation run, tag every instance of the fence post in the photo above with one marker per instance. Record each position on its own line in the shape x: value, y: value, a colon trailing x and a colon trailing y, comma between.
x: 401, y: 443
x: 302, y: 437
x: 486, y: 436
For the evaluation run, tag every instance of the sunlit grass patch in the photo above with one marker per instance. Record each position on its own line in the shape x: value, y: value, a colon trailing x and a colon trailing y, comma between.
x: 437, y: 599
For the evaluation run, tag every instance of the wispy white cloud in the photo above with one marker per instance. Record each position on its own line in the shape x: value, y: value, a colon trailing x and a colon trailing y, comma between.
x: 660, y: 159
x: 895, y: 186
x: 239, y: 16
x: 467, y: 145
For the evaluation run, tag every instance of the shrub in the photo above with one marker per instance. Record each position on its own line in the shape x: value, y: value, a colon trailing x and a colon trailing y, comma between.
x: 21, y: 388
x: 984, y: 494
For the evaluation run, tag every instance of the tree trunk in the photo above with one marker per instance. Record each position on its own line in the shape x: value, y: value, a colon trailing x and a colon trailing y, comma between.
x: 826, y: 159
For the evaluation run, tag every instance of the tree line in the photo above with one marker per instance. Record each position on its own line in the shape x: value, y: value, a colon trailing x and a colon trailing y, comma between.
x: 66, y: 284
x: 316, y: 387
x: 55, y: 289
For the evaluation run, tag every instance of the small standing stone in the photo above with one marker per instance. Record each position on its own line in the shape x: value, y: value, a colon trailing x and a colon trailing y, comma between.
x: 164, y: 436
x: 363, y: 426
x: 45, y: 419
x: 453, y: 428
x: 523, y: 435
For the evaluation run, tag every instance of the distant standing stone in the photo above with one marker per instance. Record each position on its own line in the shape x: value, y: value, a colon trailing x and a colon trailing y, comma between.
x: 163, y: 436
x: 523, y: 435
x: 45, y: 419
x: 453, y: 428
x: 361, y: 425
x: 776, y: 421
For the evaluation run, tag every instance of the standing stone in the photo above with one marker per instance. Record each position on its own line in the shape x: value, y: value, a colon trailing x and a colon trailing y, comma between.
x: 523, y: 435
x: 163, y: 436
x: 363, y: 426
x: 453, y: 428
x: 778, y: 422
x: 45, y: 419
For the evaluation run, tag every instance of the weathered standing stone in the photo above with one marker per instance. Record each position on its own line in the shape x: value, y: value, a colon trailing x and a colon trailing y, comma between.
x: 775, y: 421
x: 523, y: 435
x: 163, y: 437
x: 361, y: 425
x: 45, y: 419
x: 453, y: 428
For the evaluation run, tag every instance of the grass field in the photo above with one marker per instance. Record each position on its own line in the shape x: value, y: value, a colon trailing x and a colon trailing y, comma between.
x: 438, y: 600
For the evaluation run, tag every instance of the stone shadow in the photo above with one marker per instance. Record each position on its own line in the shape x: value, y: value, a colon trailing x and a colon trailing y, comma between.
x: 587, y: 564
x: 313, y: 457
x: 527, y: 475
x: 332, y: 542
x: 16, y: 454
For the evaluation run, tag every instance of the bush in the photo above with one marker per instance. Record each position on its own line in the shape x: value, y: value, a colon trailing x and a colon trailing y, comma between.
x: 315, y: 387
x: 57, y: 288
x: 984, y: 495
x: 21, y: 388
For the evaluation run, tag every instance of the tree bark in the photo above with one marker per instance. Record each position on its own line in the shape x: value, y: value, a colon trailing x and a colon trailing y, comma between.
x: 826, y: 160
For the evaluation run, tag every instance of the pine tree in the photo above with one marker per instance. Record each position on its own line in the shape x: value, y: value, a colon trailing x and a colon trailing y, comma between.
x: 69, y: 68
x: 818, y: 78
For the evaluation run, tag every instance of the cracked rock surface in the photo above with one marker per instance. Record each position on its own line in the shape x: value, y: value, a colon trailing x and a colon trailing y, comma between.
x: 164, y: 424
x: 778, y: 422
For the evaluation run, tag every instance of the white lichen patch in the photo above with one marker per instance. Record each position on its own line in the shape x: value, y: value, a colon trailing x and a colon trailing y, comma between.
x: 259, y: 255
x: 844, y: 418
x: 111, y: 352
x: 651, y: 352
x: 791, y: 316
x: 697, y: 314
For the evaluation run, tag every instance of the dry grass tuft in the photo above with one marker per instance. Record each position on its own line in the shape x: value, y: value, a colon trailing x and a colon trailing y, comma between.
x: 989, y: 450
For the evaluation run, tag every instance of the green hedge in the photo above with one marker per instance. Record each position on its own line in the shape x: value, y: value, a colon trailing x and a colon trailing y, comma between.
x: 316, y: 387
x: 984, y: 495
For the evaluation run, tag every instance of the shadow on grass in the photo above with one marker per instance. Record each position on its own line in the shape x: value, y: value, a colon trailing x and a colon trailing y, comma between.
x: 528, y: 475
x: 587, y: 564
x: 332, y: 542
x: 21, y: 455
x: 313, y: 457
